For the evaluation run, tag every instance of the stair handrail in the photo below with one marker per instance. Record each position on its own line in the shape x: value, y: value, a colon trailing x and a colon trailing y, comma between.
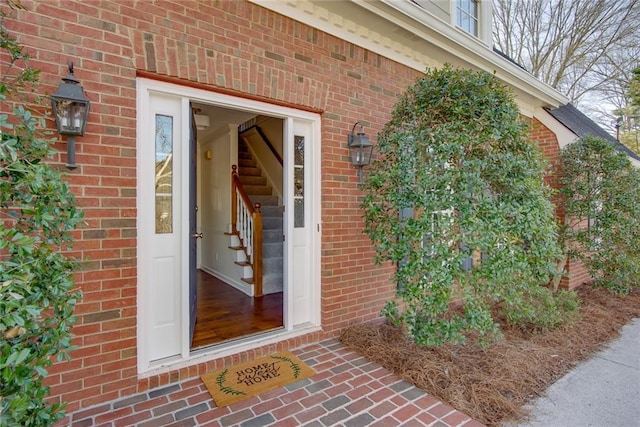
x: 246, y: 223
x: 251, y: 124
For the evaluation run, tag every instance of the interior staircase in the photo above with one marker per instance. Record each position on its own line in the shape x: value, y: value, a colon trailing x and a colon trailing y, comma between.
x: 259, y: 191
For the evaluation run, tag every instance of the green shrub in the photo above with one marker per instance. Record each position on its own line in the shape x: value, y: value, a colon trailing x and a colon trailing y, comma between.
x: 37, y: 213
x: 601, y: 191
x: 457, y: 200
x: 542, y: 309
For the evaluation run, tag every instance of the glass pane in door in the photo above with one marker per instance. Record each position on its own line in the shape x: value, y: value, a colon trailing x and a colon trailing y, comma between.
x: 298, y: 182
x: 164, y: 174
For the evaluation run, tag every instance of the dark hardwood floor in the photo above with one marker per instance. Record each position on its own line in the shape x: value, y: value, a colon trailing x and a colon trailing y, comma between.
x: 225, y: 313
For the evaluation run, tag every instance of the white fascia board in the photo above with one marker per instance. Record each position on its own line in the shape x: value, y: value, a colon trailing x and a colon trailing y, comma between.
x: 453, y: 45
x: 564, y: 135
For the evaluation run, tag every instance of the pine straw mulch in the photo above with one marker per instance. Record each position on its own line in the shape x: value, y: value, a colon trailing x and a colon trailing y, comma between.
x: 493, y: 385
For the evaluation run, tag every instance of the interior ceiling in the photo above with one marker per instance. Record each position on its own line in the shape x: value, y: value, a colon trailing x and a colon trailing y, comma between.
x: 220, y: 117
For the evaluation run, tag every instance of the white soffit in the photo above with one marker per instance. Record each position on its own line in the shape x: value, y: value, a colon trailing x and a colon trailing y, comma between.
x: 397, y: 29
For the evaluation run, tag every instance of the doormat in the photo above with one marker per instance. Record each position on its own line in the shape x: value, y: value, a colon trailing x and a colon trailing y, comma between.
x: 230, y: 385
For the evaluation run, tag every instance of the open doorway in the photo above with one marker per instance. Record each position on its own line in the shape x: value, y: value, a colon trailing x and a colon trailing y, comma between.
x: 166, y: 156
x: 236, y: 288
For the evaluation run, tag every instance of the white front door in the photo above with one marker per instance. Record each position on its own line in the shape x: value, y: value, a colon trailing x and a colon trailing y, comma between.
x: 161, y: 225
x: 163, y: 220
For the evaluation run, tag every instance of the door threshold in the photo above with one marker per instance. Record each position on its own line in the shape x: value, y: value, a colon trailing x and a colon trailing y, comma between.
x: 229, y: 348
x: 243, y: 339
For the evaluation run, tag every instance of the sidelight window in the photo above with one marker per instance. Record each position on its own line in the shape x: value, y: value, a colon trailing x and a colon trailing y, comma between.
x: 298, y: 182
x: 164, y: 174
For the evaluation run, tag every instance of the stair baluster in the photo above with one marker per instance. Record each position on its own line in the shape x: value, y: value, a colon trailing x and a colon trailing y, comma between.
x: 246, y: 223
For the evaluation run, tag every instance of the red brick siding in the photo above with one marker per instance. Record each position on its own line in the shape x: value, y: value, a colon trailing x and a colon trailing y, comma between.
x: 546, y: 139
x: 233, y: 46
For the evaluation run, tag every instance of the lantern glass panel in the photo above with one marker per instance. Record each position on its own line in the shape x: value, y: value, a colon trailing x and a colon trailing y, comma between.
x: 77, y: 117
x: 356, y: 155
x: 70, y: 116
x: 361, y: 150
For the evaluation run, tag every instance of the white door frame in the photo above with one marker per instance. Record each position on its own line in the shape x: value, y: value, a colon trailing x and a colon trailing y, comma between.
x: 145, y: 134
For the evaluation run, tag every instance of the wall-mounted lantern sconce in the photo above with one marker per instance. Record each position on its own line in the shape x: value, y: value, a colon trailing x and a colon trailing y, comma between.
x: 70, y: 109
x: 360, y: 149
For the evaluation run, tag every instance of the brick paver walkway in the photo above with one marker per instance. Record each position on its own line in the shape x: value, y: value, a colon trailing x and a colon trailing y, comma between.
x: 347, y: 390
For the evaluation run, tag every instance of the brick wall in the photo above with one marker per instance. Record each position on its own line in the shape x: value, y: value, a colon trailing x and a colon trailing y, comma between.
x: 547, y: 141
x: 235, y: 46
x: 232, y: 46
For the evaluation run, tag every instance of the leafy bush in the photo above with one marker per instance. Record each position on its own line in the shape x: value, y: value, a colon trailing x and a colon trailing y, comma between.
x: 37, y: 213
x: 457, y: 200
x: 601, y: 191
x: 541, y: 309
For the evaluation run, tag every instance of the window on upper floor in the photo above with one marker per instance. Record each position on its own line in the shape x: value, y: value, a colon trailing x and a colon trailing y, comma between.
x: 473, y: 17
x: 467, y: 16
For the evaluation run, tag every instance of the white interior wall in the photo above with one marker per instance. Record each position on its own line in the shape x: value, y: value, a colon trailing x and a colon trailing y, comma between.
x: 214, y: 214
x: 272, y: 128
x: 271, y: 168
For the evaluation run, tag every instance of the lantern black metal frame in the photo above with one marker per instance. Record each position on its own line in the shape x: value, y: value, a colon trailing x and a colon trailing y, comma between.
x: 70, y: 109
x: 360, y: 148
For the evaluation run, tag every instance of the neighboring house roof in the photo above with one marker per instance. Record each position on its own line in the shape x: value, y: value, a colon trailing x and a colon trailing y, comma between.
x: 578, y: 123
